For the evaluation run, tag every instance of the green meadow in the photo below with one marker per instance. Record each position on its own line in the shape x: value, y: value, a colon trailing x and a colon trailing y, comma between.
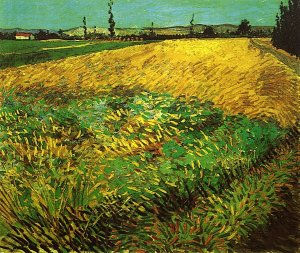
x: 15, y: 53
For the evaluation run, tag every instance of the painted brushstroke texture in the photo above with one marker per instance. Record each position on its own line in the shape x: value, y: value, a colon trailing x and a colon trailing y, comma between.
x: 136, y: 171
x: 233, y: 73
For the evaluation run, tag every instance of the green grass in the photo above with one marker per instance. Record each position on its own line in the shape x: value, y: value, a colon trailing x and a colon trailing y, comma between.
x: 134, y: 170
x: 31, y: 46
x: 18, y: 53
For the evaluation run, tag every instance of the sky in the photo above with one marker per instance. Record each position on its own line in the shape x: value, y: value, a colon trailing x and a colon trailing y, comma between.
x: 64, y: 14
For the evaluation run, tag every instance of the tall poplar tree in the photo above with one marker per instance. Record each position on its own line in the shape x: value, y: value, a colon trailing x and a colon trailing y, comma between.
x: 111, y: 20
x: 84, y: 28
x: 286, y: 34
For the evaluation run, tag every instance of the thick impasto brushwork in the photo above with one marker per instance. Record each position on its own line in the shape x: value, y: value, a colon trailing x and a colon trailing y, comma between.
x: 140, y: 126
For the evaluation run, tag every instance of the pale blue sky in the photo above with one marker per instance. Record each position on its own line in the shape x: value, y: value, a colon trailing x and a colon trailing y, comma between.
x: 55, y: 14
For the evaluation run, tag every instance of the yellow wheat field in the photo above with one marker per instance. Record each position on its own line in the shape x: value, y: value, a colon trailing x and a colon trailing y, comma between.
x: 235, y: 75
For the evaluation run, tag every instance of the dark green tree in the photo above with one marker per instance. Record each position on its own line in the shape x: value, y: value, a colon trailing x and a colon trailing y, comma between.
x: 42, y: 35
x: 209, y: 32
x: 192, y: 32
x: 84, y: 28
x: 60, y: 32
x: 111, y: 20
x: 286, y: 33
x: 244, y: 28
x: 152, y: 33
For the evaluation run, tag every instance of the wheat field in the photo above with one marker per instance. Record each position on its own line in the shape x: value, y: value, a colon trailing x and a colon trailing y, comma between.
x: 232, y: 73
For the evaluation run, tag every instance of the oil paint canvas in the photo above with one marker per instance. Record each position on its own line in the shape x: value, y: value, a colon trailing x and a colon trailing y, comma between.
x: 149, y: 126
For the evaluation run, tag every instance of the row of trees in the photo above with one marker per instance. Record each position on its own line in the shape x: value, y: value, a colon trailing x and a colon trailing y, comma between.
x: 111, y: 22
x: 244, y: 28
x: 286, y: 34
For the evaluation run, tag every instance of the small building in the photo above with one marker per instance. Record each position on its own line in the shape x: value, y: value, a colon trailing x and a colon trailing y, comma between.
x: 24, y: 36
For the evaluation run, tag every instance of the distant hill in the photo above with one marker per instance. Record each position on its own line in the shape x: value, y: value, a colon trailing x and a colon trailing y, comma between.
x: 173, y: 30
x: 11, y: 30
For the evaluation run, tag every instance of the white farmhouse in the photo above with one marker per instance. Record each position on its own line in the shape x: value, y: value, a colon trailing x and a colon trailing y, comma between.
x: 24, y: 36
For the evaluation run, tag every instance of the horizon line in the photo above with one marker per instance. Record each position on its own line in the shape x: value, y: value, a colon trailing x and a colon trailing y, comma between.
x: 135, y: 27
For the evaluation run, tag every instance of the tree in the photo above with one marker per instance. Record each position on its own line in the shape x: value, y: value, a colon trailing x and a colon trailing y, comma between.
x: 84, y: 28
x: 8, y: 35
x: 209, y: 32
x: 152, y: 33
x: 111, y: 21
x: 42, y: 35
x: 192, y: 25
x: 244, y: 28
x: 286, y: 33
x: 60, y: 32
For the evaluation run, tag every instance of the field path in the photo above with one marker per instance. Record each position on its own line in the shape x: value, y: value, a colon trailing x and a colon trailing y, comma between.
x: 233, y: 73
x: 291, y: 61
x: 64, y: 47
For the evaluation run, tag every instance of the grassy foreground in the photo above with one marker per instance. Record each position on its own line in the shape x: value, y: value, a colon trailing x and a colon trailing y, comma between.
x: 135, y: 170
x: 18, y: 53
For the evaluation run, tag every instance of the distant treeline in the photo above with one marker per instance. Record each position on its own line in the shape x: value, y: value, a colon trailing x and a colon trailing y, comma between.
x: 151, y: 35
x: 7, y: 35
x: 41, y: 35
x: 209, y: 33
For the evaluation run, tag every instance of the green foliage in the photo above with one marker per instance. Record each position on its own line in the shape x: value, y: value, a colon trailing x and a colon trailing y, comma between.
x: 30, y: 46
x: 209, y: 32
x: 144, y: 171
x: 84, y: 27
x: 217, y: 221
x: 111, y: 20
x: 286, y: 32
x: 244, y: 28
